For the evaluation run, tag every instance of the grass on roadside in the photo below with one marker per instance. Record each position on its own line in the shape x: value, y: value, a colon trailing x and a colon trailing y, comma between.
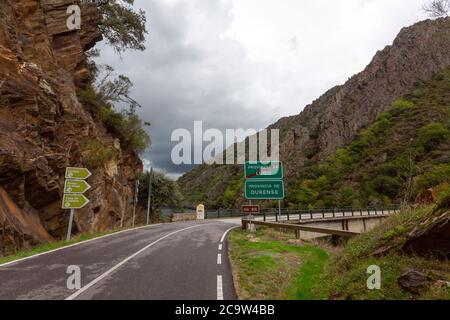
x: 346, y: 276
x: 54, y: 245
x: 270, y: 265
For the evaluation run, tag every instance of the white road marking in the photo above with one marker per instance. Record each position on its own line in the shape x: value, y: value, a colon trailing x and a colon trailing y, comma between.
x: 117, y: 266
x: 219, y: 259
x: 75, y: 245
x: 219, y: 288
x: 225, y: 234
x: 220, y: 247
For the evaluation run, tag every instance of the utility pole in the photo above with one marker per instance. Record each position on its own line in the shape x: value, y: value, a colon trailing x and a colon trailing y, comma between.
x: 136, y: 190
x: 149, y: 202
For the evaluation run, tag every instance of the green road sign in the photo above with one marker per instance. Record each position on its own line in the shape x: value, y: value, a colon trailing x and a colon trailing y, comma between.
x: 263, y: 170
x: 76, y: 186
x: 74, y: 201
x: 264, y: 190
x: 77, y: 173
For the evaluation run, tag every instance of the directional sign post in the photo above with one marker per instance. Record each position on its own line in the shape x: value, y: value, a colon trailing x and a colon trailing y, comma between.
x: 263, y: 170
x: 264, y: 190
x: 264, y: 181
x: 74, y: 201
x: 74, y: 187
x: 77, y: 173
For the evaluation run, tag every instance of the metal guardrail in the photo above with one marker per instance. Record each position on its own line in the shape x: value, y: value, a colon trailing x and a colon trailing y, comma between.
x: 298, y: 227
x: 288, y: 214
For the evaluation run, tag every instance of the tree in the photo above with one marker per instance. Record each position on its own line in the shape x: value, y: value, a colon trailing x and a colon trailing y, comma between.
x: 437, y: 8
x: 116, y: 89
x: 165, y: 192
x: 123, y: 27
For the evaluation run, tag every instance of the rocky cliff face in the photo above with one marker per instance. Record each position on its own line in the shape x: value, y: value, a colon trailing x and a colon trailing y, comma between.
x: 42, y: 122
x: 334, y: 120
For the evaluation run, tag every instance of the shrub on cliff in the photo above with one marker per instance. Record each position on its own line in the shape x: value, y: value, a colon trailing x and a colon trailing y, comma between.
x: 95, y: 153
x: 128, y: 127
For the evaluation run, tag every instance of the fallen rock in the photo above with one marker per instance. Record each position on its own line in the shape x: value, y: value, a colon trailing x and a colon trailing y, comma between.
x: 441, y: 284
x: 432, y: 236
x: 414, y: 281
x: 426, y: 197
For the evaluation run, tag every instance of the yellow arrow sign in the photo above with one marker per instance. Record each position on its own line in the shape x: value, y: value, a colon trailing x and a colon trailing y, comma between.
x: 77, y: 173
x: 76, y: 186
x: 74, y: 201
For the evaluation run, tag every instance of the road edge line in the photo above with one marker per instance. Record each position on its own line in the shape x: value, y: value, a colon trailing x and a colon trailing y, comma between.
x: 117, y: 266
x: 75, y: 244
x: 226, y: 232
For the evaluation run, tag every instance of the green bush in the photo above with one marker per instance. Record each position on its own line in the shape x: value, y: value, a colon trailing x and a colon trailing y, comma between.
x: 95, y: 153
x: 435, y: 176
x: 127, y: 127
x: 432, y: 135
x: 388, y: 186
x: 402, y: 105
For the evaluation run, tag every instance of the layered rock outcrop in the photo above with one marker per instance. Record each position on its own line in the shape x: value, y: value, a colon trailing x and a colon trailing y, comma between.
x: 42, y: 124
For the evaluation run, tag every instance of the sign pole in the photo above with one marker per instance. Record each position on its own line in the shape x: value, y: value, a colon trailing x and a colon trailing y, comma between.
x: 149, y: 202
x: 73, y: 198
x: 136, y: 187
x: 69, y: 230
x: 279, y: 210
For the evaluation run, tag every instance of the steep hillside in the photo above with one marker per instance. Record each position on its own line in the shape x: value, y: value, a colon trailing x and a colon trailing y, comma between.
x: 44, y: 127
x: 334, y: 120
x: 402, y: 154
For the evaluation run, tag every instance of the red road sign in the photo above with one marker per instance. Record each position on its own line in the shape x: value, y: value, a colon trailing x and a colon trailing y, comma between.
x: 250, y: 209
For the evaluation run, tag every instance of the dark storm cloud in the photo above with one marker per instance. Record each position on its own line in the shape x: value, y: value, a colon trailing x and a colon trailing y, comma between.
x: 244, y: 64
x: 188, y: 73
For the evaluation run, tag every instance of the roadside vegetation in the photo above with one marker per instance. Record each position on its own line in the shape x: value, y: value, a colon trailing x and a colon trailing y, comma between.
x: 165, y: 193
x: 270, y: 265
x: 345, y: 277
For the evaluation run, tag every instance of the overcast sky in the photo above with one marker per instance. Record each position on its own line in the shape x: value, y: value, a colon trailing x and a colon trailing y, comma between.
x: 247, y: 63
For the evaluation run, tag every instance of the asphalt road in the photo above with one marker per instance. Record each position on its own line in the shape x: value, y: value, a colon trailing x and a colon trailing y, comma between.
x: 173, y: 261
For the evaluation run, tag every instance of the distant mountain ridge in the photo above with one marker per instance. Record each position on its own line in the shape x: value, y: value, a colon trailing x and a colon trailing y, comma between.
x: 335, y: 119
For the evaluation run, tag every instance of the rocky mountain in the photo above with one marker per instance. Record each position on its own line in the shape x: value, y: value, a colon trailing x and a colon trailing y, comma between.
x: 335, y: 119
x: 44, y: 127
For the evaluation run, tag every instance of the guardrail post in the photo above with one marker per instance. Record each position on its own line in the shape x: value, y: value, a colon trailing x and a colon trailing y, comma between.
x: 264, y: 216
x: 276, y: 217
x: 287, y: 212
x: 382, y: 211
x: 334, y: 213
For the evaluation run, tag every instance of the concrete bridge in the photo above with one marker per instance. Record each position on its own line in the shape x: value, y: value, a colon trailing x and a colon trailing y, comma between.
x: 311, y: 225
